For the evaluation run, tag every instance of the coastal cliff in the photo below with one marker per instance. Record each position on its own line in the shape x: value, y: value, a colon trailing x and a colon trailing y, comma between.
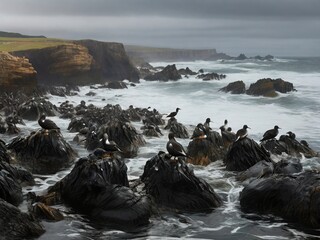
x: 81, y: 63
x: 16, y: 72
x: 150, y: 54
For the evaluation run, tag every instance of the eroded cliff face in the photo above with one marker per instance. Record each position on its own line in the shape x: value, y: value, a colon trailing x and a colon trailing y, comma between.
x: 16, y: 72
x: 81, y: 63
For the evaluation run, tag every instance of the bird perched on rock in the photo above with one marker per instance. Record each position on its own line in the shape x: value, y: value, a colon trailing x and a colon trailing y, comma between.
x: 109, y: 146
x: 242, y: 133
x: 206, y: 125
x: 47, y: 123
x: 225, y: 125
x: 199, y: 132
x: 228, y: 137
x: 174, y: 148
x: 173, y: 114
x: 291, y: 135
x: 271, y: 133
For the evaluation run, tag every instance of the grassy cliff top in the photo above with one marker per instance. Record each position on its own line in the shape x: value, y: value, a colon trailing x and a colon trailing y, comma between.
x: 19, y: 44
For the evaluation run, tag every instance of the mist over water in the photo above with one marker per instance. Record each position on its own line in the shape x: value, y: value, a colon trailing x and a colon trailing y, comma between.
x: 298, y: 112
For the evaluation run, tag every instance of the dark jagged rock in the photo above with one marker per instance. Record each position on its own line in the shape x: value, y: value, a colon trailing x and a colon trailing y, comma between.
x: 77, y: 124
x: 290, y: 146
x: 288, y: 166
x: 170, y: 72
x: 294, y: 198
x: 177, y: 129
x: 203, y: 151
x: 42, y: 211
x: 172, y: 184
x: 21, y: 175
x: 117, y: 85
x: 33, y: 108
x: 4, y: 155
x: 186, y: 71
x: 241, y: 57
x: 211, y: 76
x: 268, y: 87
x: 237, y: 87
x: 15, y: 224
x: 124, y: 135
x: 97, y: 186
x: 295, y: 148
x: 43, y: 151
x: 259, y: 170
x: 243, y: 154
x: 151, y: 130
x: 274, y: 146
x: 10, y: 189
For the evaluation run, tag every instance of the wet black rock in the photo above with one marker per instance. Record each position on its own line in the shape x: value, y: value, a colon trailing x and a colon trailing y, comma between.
x: 295, y: 198
x: 170, y: 72
x: 211, y: 76
x: 259, y: 170
x: 291, y: 146
x: 33, y: 108
x: 174, y: 185
x: 15, y: 224
x: 269, y: 87
x: 98, y: 186
x: 237, y: 87
x: 10, y: 189
x: 243, y: 154
x: 43, y: 151
x: 186, y: 71
x: 178, y: 129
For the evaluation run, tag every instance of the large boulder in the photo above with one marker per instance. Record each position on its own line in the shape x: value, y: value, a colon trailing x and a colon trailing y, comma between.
x: 289, y: 145
x: 43, y: 151
x: 237, y: 87
x: 294, y: 198
x: 268, y: 87
x: 243, y: 154
x: 16, y: 73
x: 10, y: 189
x: 15, y: 224
x: 98, y: 186
x: 19, y: 174
x: 33, y: 108
x: 170, y: 72
x: 178, y: 129
x: 124, y: 135
x: 174, y: 185
x: 203, y: 151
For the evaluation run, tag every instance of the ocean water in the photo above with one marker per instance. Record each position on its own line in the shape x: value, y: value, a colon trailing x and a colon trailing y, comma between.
x: 298, y: 112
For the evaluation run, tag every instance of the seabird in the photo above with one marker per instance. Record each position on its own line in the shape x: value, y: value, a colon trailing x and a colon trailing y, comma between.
x: 47, y: 123
x: 242, y: 133
x: 228, y: 137
x: 225, y: 125
x: 271, y: 133
x: 174, y: 148
x: 199, y: 132
x: 173, y: 114
x: 206, y: 125
x: 100, y: 153
x: 109, y: 146
x: 291, y: 135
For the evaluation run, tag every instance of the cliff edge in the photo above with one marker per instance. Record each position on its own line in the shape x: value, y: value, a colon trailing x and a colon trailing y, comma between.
x: 16, y: 72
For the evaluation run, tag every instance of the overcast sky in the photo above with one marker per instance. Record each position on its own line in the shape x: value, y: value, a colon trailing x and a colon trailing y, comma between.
x: 277, y: 27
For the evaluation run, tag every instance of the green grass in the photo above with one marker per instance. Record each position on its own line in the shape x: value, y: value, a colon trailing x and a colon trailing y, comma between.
x: 18, y: 44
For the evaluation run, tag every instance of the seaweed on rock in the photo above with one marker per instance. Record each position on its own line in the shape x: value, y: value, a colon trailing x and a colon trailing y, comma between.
x: 43, y: 151
x: 173, y: 184
x: 243, y: 154
x: 98, y: 187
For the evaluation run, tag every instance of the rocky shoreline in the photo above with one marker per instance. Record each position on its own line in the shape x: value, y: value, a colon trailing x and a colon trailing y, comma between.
x: 100, y: 180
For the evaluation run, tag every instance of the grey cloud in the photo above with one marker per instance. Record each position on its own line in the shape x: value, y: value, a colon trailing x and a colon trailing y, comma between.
x: 174, y: 8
